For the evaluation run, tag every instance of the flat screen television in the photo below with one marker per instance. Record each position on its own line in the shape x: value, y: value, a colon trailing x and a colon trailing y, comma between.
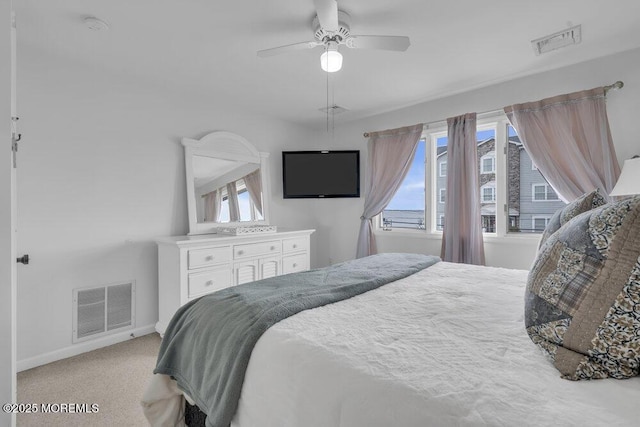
x: 320, y: 174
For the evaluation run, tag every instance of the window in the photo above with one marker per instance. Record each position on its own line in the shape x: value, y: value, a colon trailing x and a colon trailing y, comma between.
x: 539, y: 223
x: 246, y: 207
x: 406, y: 209
x: 543, y: 192
x: 530, y: 198
x: 488, y: 193
x: 514, y: 196
x: 443, y: 169
x: 486, y: 138
x: 438, y: 142
x: 488, y: 163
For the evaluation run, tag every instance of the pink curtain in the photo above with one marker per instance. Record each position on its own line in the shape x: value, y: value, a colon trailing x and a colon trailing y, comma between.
x: 232, y: 197
x: 390, y: 155
x: 462, y: 235
x: 568, y: 139
x: 254, y: 187
x: 212, y: 206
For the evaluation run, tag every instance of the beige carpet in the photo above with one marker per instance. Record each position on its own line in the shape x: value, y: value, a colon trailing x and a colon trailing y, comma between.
x: 113, y: 377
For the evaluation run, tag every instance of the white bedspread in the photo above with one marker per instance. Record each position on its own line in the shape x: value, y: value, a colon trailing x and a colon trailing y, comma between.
x: 444, y: 347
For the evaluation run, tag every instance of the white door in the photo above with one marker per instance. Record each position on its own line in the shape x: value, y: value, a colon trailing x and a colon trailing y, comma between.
x: 7, y: 219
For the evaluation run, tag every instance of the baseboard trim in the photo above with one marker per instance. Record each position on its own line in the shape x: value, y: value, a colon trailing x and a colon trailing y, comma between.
x: 76, y: 349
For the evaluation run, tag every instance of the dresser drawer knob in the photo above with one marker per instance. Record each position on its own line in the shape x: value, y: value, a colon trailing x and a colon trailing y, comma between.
x: 295, y: 246
x: 295, y: 265
x: 240, y: 252
x: 273, y: 248
x: 209, y: 283
x: 209, y: 258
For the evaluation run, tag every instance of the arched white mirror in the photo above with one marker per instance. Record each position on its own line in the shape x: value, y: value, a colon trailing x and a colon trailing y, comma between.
x: 227, y: 183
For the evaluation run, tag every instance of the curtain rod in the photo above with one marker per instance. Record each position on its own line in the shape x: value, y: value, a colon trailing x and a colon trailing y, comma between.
x: 615, y: 86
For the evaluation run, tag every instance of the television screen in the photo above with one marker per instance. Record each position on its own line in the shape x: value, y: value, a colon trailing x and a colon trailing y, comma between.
x: 321, y: 174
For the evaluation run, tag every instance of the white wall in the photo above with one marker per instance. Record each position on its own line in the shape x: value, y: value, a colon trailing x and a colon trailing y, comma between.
x: 101, y: 175
x: 340, y: 220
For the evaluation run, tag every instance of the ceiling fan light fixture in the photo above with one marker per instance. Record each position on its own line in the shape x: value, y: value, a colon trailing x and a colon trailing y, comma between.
x: 331, y: 59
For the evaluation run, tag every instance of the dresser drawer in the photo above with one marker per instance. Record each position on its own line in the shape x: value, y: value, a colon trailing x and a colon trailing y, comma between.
x: 208, y: 281
x: 254, y: 249
x: 295, y: 263
x: 295, y: 245
x: 209, y: 256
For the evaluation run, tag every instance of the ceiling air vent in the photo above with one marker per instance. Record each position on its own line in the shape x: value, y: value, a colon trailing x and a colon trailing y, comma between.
x: 333, y: 109
x: 557, y: 40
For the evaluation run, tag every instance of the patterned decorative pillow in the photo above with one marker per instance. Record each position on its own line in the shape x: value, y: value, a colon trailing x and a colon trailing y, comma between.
x: 582, y: 302
x: 584, y: 203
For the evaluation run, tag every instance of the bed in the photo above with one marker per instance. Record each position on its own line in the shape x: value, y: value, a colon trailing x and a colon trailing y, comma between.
x: 444, y: 346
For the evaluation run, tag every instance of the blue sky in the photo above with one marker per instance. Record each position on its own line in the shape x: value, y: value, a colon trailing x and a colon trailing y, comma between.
x: 244, y: 205
x: 410, y: 195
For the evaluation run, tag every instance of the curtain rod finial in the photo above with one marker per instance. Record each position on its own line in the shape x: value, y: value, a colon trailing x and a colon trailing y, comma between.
x: 617, y: 85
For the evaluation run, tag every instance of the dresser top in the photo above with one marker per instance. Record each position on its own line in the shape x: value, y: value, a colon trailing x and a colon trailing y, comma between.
x: 226, y: 238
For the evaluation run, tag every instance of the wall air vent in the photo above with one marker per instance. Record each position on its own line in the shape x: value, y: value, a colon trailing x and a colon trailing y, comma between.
x: 103, y: 311
x: 557, y: 40
x: 333, y: 109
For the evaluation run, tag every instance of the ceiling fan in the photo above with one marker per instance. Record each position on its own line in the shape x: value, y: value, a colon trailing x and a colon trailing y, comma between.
x: 332, y: 29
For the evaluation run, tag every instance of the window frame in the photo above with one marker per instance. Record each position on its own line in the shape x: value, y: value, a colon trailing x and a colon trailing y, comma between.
x: 489, y: 185
x: 546, y: 193
x: 546, y: 218
x: 440, y: 174
x: 491, y: 155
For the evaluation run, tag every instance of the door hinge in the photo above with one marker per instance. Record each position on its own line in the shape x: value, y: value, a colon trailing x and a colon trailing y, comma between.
x: 15, y: 138
x: 14, y: 147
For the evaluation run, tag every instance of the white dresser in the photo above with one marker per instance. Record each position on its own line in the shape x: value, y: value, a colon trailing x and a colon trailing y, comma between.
x: 192, y: 266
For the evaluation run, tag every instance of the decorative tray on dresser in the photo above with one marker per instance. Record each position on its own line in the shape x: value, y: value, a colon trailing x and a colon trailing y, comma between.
x: 192, y: 266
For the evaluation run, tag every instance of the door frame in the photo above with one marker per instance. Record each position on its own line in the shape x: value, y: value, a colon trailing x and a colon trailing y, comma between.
x: 8, y: 303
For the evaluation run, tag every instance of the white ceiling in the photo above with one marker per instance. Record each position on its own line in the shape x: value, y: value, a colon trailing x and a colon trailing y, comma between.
x: 207, y: 48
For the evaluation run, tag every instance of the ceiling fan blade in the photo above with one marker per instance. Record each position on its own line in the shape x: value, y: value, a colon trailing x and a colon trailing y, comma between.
x: 327, y: 11
x: 400, y: 43
x: 287, y: 48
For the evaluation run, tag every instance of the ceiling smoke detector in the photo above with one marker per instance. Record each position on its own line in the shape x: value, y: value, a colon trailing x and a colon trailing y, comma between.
x: 557, y: 40
x: 95, y: 24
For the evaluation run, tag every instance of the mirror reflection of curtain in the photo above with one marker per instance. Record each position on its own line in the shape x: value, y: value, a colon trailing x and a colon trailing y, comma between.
x: 212, y: 206
x: 254, y: 187
x: 232, y: 196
